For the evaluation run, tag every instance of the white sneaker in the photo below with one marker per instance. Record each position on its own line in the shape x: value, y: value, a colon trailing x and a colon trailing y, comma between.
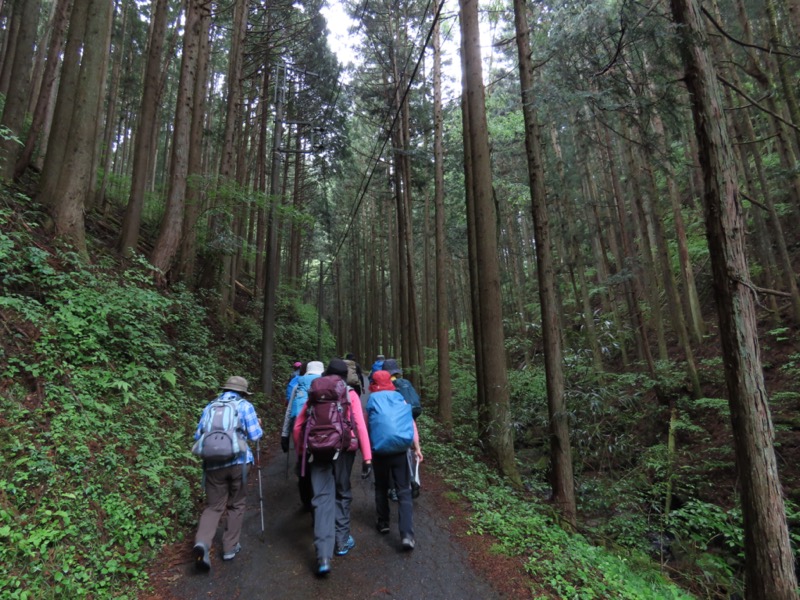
x: 232, y: 553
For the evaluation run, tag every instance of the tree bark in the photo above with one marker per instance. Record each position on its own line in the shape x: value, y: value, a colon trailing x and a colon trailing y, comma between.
x: 104, y: 156
x: 194, y: 188
x: 43, y: 101
x: 76, y: 175
x: 769, y: 565
x: 562, y: 477
x: 272, y: 262
x: 445, y: 400
x: 490, y: 323
x: 145, y: 130
x: 233, y: 110
x: 171, y: 229
x: 26, y: 12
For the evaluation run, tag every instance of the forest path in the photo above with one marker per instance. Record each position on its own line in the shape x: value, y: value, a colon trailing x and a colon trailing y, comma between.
x: 281, y: 563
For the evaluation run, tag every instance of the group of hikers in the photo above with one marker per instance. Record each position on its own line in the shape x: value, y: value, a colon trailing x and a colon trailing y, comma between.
x: 332, y: 412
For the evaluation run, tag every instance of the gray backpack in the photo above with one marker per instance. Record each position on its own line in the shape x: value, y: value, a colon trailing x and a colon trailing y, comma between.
x: 222, y: 438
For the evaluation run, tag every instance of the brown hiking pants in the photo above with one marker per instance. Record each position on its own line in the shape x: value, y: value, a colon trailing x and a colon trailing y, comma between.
x: 224, y: 489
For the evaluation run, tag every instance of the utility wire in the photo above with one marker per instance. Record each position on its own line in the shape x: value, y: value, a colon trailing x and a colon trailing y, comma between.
x: 367, y: 179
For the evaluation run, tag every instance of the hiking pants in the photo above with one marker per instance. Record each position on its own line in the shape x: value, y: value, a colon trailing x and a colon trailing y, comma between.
x: 224, y: 489
x: 394, y: 467
x: 330, y: 481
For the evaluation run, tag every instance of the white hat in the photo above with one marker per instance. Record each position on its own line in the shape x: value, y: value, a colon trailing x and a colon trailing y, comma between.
x: 315, y: 367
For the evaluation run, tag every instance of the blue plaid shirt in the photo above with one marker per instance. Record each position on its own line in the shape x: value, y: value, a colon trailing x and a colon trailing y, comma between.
x: 248, y: 422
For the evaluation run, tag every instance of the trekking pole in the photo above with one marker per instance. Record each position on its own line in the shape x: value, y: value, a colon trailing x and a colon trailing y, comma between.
x: 260, y: 494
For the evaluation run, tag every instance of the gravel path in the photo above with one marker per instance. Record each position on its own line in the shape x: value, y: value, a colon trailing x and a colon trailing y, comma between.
x: 280, y: 564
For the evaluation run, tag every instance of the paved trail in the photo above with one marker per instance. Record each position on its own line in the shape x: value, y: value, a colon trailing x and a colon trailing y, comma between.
x: 280, y: 564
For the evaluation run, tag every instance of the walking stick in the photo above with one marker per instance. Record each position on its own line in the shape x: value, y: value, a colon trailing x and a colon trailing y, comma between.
x: 286, y: 473
x: 260, y: 494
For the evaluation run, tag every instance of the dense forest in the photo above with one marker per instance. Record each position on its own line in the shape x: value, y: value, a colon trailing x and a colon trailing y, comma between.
x: 574, y: 223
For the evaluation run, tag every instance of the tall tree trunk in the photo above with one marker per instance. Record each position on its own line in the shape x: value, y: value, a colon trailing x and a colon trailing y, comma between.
x: 272, y: 262
x: 10, y: 45
x: 482, y: 404
x: 105, y: 154
x: 677, y: 316
x: 694, y: 318
x: 769, y: 565
x: 261, y: 183
x: 145, y: 131
x: 169, y: 234
x: 43, y: 101
x: 562, y: 478
x: 233, y: 109
x: 445, y: 403
x: 195, y: 195
x: 490, y: 323
x: 648, y: 271
x: 787, y: 79
x: 295, y: 229
x: 76, y: 175
x: 633, y: 291
x: 26, y: 12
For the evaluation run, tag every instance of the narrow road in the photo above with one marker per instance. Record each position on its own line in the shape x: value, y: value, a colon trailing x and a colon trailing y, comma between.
x: 280, y: 564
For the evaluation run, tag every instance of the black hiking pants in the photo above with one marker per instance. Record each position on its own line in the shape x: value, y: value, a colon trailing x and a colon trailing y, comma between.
x: 394, y: 468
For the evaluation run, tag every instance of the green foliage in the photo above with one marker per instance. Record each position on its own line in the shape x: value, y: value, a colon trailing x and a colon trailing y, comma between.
x: 712, y: 538
x: 91, y: 491
x: 102, y: 378
x: 568, y: 565
x: 297, y: 331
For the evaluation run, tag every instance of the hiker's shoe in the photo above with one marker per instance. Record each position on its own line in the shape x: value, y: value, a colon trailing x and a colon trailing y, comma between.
x: 231, y: 554
x: 383, y: 527
x: 408, y: 543
x: 392, y: 494
x: 201, y: 560
x: 348, y: 545
x: 323, y: 567
x: 414, y: 489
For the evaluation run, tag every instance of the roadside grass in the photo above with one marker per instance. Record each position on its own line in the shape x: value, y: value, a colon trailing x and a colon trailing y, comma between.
x: 568, y: 565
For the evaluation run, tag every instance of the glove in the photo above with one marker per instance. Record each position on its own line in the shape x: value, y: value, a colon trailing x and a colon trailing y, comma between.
x: 285, y: 443
x: 366, y: 470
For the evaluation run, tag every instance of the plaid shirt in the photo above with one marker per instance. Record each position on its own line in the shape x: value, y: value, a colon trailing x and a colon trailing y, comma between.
x: 248, y: 422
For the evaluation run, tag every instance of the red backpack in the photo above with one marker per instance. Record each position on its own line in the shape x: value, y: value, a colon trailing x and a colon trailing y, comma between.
x: 328, y: 430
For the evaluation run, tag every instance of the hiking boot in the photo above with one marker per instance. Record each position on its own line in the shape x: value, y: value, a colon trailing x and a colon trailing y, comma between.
x: 383, y: 527
x: 348, y: 545
x: 408, y: 543
x: 201, y: 560
x: 323, y: 567
x: 392, y: 493
x: 231, y: 554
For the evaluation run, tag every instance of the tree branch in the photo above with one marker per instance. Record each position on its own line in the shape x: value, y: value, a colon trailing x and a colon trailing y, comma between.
x: 760, y: 290
x: 740, y: 42
x: 752, y: 101
x: 752, y: 201
x: 616, y: 54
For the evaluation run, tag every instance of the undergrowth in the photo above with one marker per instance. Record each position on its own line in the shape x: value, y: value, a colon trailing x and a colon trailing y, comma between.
x: 102, y: 378
x: 567, y: 565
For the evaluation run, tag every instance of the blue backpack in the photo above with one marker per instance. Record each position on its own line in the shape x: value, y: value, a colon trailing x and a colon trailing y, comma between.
x: 409, y: 394
x: 290, y: 387
x: 391, y: 425
x: 301, y: 393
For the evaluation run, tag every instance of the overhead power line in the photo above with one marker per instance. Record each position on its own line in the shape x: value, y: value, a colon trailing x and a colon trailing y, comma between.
x: 376, y: 157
